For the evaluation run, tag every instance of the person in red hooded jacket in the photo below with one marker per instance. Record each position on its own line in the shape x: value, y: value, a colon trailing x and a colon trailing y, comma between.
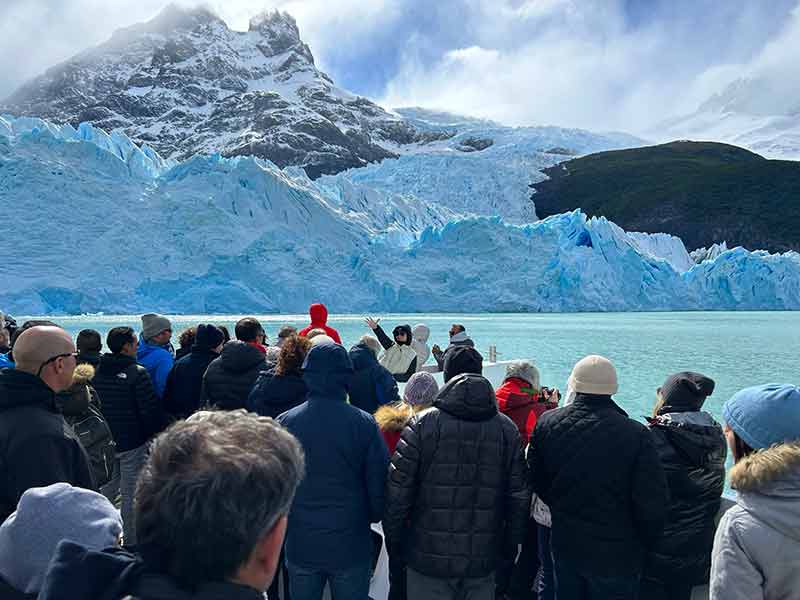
x: 520, y: 397
x: 319, y: 320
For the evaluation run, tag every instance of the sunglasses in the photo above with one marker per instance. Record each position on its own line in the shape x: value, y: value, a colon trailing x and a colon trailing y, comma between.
x: 54, y: 359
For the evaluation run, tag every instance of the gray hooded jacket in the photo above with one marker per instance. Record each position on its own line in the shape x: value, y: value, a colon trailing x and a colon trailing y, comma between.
x: 756, y: 552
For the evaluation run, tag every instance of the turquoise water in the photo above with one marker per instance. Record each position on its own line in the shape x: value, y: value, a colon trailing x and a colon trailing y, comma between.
x: 736, y: 349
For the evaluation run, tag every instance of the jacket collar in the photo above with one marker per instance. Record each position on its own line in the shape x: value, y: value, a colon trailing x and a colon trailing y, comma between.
x: 596, y: 402
x: 18, y: 388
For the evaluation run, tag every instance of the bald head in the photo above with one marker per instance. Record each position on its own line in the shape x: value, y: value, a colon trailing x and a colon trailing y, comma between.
x: 37, y: 345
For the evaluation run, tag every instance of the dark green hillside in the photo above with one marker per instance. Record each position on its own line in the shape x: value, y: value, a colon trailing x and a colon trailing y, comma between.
x: 703, y: 192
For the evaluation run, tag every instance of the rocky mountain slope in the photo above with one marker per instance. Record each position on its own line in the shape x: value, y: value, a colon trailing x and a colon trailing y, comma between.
x: 185, y: 83
x: 702, y: 192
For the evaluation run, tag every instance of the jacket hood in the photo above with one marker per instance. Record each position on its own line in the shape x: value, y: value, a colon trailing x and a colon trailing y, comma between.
x: 695, y: 435
x: 461, y: 338
x: 83, y: 374
x: 362, y: 357
x: 469, y: 397
x: 393, y: 417
x: 404, y: 329
x: 523, y: 370
x: 768, y: 486
x: 18, y: 388
x: 421, y: 333
x: 238, y: 356
x: 515, y: 393
x: 76, y: 400
x: 318, y: 314
x: 111, y: 364
x: 327, y: 370
x: 76, y: 573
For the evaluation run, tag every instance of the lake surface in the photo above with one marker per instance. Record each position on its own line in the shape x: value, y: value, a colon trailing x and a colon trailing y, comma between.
x: 736, y: 349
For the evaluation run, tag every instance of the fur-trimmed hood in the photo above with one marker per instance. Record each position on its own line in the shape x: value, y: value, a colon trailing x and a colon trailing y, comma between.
x: 766, y: 468
x: 768, y: 486
x: 522, y: 369
x: 394, y: 417
x: 83, y: 374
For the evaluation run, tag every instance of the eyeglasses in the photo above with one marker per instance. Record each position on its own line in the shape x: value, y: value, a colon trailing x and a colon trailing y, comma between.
x: 54, y: 359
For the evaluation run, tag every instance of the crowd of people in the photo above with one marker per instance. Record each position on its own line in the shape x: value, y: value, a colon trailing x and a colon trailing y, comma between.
x: 235, y: 468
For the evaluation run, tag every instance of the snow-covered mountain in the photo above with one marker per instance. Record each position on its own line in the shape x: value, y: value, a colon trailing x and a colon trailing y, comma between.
x: 113, y: 227
x: 185, y: 83
x: 761, y: 113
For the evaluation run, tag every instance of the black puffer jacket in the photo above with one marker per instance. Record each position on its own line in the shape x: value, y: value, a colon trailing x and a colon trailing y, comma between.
x: 459, y: 478
x: 37, y: 447
x: 185, y: 382
x: 230, y: 378
x: 372, y: 385
x: 693, y: 450
x: 599, y: 473
x: 273, y: 395
x: 130, y: 405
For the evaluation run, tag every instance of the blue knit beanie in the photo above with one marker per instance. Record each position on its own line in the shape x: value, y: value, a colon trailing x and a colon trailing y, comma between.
x: 765, y: 414
x: 43, y: 518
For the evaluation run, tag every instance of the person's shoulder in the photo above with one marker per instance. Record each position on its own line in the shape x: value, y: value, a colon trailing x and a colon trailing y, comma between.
x: 557, y: 414
x: 291, y: 414
x: 214, y: 365
x: 506, y: 422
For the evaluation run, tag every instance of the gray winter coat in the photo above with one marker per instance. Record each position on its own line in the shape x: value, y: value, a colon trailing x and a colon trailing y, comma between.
x: 756, y: 552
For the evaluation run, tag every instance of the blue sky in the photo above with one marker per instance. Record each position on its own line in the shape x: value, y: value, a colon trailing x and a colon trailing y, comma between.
x: 604, y: 64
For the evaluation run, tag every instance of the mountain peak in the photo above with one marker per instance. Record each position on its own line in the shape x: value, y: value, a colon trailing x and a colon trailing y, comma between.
x: 280, y: 33
x: 172, y: 17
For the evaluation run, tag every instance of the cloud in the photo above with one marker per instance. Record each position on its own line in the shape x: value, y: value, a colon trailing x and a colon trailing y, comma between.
x: 599, y: 64
x: 613, y: 65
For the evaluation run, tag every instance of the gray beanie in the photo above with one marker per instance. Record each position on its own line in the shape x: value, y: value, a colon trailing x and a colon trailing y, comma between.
x: 522, y: 369
x: 153, y: 324
x: 421, y: 389
x: 44, y: 517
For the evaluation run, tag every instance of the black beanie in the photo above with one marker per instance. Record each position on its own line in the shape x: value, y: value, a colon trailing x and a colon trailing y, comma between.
x: 685, y: 391
x: 462, y: 359
x: 208, y: 336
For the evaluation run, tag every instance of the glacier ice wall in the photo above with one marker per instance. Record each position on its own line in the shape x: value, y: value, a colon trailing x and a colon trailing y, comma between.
x: 101, y: 225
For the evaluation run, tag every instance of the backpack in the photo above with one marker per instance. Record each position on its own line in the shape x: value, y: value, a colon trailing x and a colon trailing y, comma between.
x: 95, y: 437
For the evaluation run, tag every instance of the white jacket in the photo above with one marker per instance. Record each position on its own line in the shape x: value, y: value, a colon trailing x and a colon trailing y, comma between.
x: 419, y: 343
x: 756, y: 553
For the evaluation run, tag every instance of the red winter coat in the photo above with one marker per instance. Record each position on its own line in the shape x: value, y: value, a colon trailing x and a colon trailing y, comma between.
x: 392, y: 419
x: 319, y: 320
x: 517, y: 400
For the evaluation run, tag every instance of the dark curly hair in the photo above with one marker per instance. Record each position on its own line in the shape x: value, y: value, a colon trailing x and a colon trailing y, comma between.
x: 293, y: 352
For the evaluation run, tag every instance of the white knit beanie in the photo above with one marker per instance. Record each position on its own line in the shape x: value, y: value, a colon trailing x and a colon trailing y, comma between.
x: 594, y: 375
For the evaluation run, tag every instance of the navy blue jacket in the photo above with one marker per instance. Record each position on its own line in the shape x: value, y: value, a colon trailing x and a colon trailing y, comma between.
x: 185, y: 382
x: 274, y: 394
x: 346, y: 466
x: 372, y: 385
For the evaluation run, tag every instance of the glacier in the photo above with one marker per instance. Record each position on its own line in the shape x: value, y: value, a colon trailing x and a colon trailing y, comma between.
x: 478, y: 167
x: 99, y: 224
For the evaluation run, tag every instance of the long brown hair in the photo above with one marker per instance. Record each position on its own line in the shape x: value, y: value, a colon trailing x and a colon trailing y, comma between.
x: 293, y: 352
